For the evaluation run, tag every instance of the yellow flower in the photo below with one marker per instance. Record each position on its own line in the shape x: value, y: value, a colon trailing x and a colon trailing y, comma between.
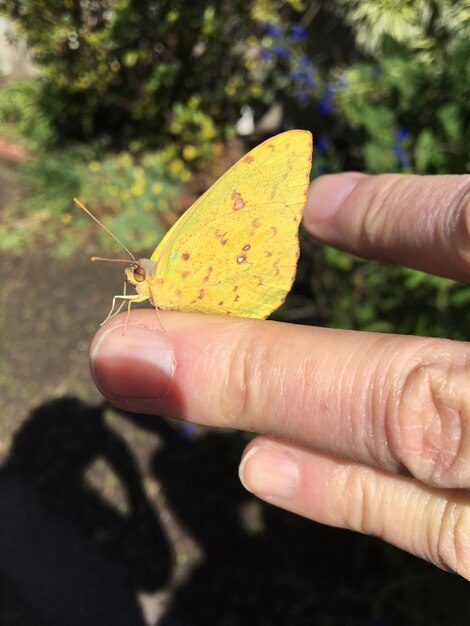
x: 230, y: 89
x: 217, y: 148
x: 297, y: 5
x: 125, y: 160
x: 189, y: 152
x: 157, y: 188
x: 66, y: 218
x: 185, y: 176
x: 175, y: 167
x: 94, y: 166
x: 138, y: 187
x: 207, y: 132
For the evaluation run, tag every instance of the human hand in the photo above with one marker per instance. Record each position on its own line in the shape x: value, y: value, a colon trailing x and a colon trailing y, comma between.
x: 364, y: 431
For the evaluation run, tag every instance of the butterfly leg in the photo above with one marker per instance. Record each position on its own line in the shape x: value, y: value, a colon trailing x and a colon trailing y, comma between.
x: 130, y: 300
x: 111, y: 314
x: 159, y: 320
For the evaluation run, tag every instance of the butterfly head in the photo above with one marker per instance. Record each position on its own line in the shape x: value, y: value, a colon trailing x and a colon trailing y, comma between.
x: 139, y: 274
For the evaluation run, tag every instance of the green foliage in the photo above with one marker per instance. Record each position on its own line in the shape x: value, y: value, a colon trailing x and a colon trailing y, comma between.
x: 21, y: 116
x: 145, y: 71
x: 135, y: 196
x: 373, y: 297
x: 411, y: 100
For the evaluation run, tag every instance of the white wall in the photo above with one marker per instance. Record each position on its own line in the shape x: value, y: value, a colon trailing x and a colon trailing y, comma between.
x: 14, y: 57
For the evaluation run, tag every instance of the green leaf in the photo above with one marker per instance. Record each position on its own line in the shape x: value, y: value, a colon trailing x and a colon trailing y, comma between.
x: 379, y: 158
x: 425, y: 150
x: 449, y: 116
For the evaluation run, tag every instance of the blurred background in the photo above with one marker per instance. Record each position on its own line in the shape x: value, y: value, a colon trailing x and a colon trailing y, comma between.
x: 137, y: 107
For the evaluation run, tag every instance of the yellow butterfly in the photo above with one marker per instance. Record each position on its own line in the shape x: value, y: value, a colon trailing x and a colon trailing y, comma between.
x: 235, y: 250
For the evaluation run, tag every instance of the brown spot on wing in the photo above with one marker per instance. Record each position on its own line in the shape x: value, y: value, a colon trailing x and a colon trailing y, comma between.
x: 208, y: 275
x: 238, y: 201
x: 185, y: 275
x: 247, y: 247
x: 201, y: 295
x: 248, y: 159
x: 255, y: 225
x: 241, y: 258
x: 185, y: 256
x: 236, y: 299
x: 221, y: 236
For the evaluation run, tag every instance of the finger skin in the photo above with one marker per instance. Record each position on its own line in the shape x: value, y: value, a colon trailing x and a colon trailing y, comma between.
x: 396, y: 402
x: 419, y: 221
x: 428, y: 522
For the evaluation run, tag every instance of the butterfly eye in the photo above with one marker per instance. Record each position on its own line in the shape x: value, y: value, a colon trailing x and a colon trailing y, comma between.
x: 139, y: 274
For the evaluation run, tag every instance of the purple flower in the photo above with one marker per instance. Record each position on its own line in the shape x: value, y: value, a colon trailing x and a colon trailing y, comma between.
x: 281, y: 52
x: 401, y: 154
x: 329, y: 92
x: 303, y: 98
x: 325, y: 107
x: 303, y: 77
x: 402, y: 134
x: 267, y: 54
x: 375, y: 71
x: 189, y: 430
x: 321, y: 144
x: 305, y: 61
x: 298, y: 75
x: 273, y: 30
x: 298, y: 33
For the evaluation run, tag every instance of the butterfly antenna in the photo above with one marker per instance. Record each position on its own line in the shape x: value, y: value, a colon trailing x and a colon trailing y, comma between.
x: 100, y: 258
x: 88, y: 212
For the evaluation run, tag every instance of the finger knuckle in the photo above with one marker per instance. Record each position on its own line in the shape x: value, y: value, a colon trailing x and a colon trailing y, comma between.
x: 459, y: 220
x: 376, y: 220
x: 451, y: 549
x: 241, y: 387
x: 433, y: 423
x: 362, y: 500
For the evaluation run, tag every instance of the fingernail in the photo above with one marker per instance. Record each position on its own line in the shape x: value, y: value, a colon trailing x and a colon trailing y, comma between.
x: 135, y: 364
x: 269, y: 473
x: 327, y: 193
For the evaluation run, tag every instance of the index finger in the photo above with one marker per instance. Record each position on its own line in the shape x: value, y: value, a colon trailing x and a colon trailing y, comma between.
x: 419, y: 221
x: 397, y: 402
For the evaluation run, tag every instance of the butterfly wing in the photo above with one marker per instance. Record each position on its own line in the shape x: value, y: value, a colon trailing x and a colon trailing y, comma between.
x: 235, y: 250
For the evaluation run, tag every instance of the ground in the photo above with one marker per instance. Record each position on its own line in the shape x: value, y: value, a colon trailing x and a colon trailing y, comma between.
x: 112, y: 518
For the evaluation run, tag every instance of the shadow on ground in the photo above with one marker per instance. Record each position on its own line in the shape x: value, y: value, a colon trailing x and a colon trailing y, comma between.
x: 69, y: 557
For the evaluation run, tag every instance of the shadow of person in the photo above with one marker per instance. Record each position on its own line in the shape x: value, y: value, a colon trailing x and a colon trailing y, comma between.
x: 260, y: 565
x: 75, y: 558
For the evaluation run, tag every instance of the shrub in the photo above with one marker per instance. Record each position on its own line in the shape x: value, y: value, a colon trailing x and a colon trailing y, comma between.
x: 145, y: 71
